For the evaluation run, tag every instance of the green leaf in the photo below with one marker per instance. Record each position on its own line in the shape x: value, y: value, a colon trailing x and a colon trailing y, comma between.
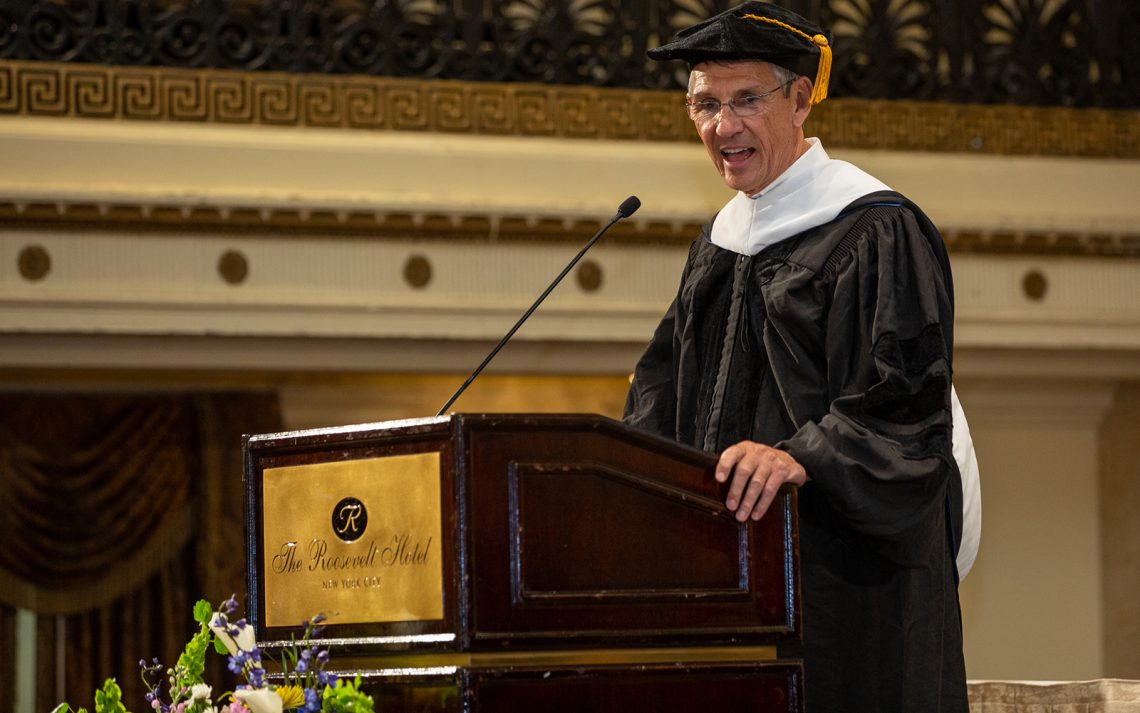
x: 62, y: 708
x: 192, y: 663
x: 346, y: 697
x: 109, y: 700
x: 220, y: 647
x: 203, y: 611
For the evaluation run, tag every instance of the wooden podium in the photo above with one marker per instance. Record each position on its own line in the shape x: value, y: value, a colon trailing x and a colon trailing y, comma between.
x: 490, y: 563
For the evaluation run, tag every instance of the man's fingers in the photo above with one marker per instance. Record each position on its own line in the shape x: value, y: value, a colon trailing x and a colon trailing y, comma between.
x: 766, y: 497
x: 728, y: 460
x: 755, y: 473
x: 756, y: 487
x: 746, y: 469
x: 781, y: 472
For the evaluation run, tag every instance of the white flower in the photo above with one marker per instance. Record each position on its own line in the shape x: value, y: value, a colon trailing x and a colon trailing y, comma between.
x: 200, y: 692
x: 246, y: 639
x: 259, y: 700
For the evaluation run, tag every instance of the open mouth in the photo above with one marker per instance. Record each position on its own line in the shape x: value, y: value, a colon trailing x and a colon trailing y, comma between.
x: 736, y: 155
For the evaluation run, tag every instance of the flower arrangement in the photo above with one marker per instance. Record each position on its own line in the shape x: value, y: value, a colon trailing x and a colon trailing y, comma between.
x: 305, y: 684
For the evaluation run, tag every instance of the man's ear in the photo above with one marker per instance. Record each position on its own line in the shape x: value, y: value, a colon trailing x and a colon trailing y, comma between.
x: 801, y: 100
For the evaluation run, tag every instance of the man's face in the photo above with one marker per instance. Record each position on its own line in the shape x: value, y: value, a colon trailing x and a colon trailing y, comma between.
x: 750, y: 152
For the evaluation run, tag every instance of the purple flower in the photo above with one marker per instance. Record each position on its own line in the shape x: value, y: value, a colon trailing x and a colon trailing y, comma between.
x: 312, y: 701
x: 243, y: 660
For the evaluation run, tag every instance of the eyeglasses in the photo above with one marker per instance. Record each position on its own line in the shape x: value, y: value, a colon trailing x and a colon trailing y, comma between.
x: 747, y: 105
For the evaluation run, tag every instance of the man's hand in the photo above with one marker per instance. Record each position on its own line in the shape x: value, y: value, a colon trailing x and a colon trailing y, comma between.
x: 757, y: 472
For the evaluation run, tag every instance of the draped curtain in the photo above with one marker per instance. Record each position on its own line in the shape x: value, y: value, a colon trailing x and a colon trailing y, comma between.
x: 117, y: 512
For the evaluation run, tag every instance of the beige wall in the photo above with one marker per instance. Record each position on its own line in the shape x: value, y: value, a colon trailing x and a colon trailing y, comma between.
x: 1032, y: 605
x: 385, y: 397
x: 1120, y: 532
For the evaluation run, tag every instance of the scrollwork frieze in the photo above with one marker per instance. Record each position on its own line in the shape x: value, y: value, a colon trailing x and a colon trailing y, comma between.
x: 1026, y: 52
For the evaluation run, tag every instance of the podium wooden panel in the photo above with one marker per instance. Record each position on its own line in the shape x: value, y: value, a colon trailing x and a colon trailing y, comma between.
x: 584, y: 549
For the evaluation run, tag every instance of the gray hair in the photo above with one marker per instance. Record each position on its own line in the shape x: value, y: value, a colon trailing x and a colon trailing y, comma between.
x: 783, y: 75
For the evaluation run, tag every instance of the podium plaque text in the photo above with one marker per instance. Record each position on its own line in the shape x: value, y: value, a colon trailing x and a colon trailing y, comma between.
x: 358, y: 540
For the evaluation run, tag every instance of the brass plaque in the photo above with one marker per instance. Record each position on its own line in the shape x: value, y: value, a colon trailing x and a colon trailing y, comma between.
x: 357, y: 540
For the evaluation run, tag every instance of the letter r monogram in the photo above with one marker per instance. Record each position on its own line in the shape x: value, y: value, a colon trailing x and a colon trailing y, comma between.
x: 348, y: 515
x: 349, y: 519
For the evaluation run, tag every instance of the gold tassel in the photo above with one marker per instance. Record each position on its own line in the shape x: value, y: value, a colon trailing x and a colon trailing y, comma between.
x: 823, y: 74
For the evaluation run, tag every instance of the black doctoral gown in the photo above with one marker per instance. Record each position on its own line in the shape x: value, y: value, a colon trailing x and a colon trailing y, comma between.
x: 835, y: 345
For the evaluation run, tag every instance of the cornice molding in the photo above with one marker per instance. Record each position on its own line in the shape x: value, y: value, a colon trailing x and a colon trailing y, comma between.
x: 276, y: 224
x: 47, y: 89
x: 286, y: 223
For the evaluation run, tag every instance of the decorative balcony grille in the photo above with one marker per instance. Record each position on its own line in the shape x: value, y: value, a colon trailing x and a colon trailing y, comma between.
x: 1078, y: 53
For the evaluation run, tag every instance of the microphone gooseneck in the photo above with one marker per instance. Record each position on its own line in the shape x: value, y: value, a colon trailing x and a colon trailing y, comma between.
x: 627, y: 208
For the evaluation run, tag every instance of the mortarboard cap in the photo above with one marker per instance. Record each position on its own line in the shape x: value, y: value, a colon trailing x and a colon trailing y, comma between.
x: 756, y: 31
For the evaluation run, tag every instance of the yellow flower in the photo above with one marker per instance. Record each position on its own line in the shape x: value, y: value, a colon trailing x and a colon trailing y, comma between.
x: 291, y: 697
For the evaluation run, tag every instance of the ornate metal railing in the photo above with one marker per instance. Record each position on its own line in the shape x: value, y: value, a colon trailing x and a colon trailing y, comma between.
x: 1079, y: 53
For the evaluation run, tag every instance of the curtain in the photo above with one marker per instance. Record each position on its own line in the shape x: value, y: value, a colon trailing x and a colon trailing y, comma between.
x: 118, y: 511
x: 7, y: 664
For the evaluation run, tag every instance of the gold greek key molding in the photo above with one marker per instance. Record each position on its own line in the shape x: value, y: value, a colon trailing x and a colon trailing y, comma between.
x: 398, y: 104
x: 976, y: 128
x: 338, y: 101
x: 283, y: 224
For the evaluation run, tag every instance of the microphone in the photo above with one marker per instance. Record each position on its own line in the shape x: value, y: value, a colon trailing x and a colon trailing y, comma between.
x: 627, y: 208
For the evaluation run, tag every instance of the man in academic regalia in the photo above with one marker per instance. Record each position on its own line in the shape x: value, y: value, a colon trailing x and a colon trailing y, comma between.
x: 810, y: 343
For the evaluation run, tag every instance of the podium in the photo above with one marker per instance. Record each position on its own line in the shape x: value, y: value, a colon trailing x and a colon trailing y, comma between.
x: 520, y: 562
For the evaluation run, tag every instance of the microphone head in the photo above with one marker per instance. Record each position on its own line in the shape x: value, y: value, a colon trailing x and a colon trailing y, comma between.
x: 629, y: 206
